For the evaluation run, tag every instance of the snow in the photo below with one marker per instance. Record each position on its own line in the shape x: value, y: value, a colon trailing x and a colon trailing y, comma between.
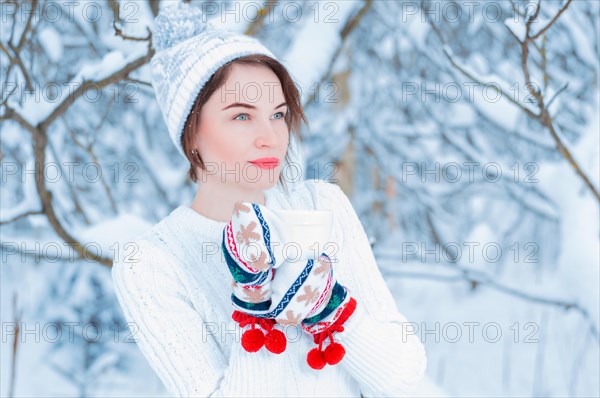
x: 118, y: 231
x: 463, y: 115
x: 386, y: 48
x: 31, y: 201
x: 516, y: 26
x: 580, y: 228
x: 110, y: 63
x: 320, y: 39
x: 417, y: 28
x: 42, y: 102
x: 36, y: 106
x: 584, y: 47
x: 52, y: 43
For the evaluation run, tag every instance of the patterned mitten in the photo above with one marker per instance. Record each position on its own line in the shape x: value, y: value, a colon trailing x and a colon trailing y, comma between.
x: 331, y: 305
x: 270, y: 288
x: 251, y: 256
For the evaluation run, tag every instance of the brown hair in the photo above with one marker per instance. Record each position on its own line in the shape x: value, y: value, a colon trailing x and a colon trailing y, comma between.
x: 294, y: 117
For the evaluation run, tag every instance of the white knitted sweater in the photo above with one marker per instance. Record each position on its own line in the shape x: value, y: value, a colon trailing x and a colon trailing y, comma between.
x: 176, y: 290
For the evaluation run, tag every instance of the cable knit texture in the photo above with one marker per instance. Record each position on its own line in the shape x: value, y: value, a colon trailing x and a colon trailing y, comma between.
x: 174, y: 286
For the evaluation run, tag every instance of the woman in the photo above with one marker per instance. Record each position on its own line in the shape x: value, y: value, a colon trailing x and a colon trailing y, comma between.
x: 228, y: 103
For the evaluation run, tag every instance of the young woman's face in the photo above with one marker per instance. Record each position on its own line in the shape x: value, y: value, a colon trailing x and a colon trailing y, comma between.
x: 243, y: 121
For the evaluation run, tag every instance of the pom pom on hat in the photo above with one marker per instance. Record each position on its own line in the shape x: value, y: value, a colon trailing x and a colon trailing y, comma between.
x: 176, y: 23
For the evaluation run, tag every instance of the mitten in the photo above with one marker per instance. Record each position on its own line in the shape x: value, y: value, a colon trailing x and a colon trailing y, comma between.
x: 327, y: 306
x: 254, y: 242
x: 269, y: 288
x: 331, y: 310
x: 250, y: 255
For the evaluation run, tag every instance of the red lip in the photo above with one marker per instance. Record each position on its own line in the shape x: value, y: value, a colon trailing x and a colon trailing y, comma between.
x: 265, y: 160
x: 266, y: 163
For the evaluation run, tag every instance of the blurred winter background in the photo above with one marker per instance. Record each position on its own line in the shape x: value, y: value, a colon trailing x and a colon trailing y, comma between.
x: 465, y: 133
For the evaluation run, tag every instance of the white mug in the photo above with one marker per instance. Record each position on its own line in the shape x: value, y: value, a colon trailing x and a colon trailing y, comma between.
x: 307, y: 230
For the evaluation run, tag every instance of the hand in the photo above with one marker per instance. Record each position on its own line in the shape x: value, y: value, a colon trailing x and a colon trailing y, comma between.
x: 321, y: 304
x: 303, y: 292
x: 307, y: 293
x: 254, y: 242
x: 251, y: 257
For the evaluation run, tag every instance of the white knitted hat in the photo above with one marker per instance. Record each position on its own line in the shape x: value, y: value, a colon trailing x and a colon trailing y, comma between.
x: 188, y: 52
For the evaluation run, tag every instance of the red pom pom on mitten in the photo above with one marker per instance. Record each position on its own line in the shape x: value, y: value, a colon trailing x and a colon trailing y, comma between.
x: 317, y: 358
x: 254, y: 338
x: 334, y: 353
x: 275, y: 341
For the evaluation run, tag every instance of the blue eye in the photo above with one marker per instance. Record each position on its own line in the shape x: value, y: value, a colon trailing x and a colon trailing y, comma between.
x: 241, y: 114
x: 245, y: 114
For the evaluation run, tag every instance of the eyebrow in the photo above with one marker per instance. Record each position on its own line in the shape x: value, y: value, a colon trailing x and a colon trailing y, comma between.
x: 243, y: 105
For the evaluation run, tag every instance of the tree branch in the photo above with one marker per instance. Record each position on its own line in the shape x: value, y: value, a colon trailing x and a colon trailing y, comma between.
x: 20, y: 216
x: 545, y: 28
x: 544, y: 116
x: 16, y: 59
x: 115, y: 77
x: 41, y: 142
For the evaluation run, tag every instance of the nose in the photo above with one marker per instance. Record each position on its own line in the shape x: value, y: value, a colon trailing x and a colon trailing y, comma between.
x: 266, y: 134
